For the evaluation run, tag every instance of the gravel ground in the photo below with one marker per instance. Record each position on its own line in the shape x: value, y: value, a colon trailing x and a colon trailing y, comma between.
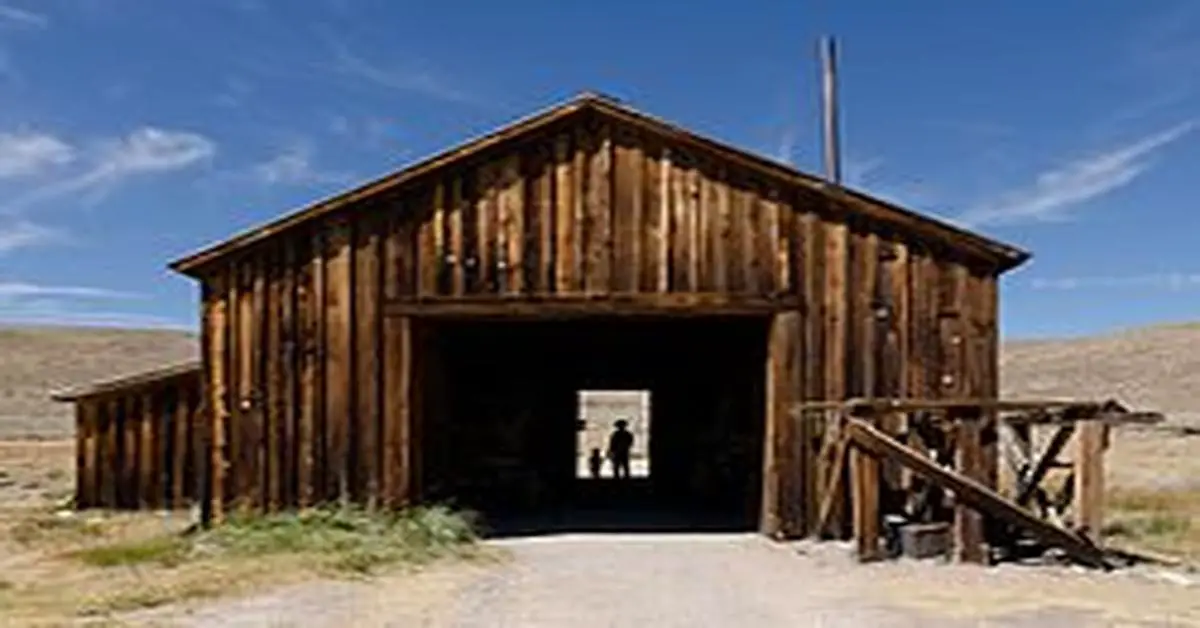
x: 585, y: 581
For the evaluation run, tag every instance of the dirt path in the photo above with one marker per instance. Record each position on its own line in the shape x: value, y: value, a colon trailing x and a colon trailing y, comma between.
x: 586, y: 581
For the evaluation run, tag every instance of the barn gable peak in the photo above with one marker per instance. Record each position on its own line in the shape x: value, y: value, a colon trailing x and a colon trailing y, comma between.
x: 1002, y: 256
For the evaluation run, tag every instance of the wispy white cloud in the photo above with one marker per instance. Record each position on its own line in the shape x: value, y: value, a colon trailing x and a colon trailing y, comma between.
x: 148, y: 150
x: 13, y: 290
x: 857, y: 172
x: 410, y: 79
x: 233, y: 93
x: 8, y: 68
x: 22, y: 234
x: 15, y: 16
x: 785, y: 152
x: 27, y: 152
x: 52, y: 312
x: 53, y: 304
x: 1055, y: 192
x: 1174, y: 281
x: 294, y: 166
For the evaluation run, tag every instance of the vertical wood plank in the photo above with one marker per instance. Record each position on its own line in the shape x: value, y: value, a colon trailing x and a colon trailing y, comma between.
x: 865, y: 294
x: 1089, y: 479
x: 680, y: 227
x: 87, y: 466
x: 810, y: 269
x: 338, y: 362
x: 131, y: 433
x: 716, y: 204
x: 216, y: 356
x: 486, y: 227
x: 242, y: 470
x: 290, y: 451
x: 836, y: 247
x: 585, y: 145
x: 783, y: 458
x: 627, y: 212
x: 273, y: 411
x: 430, y: 238
x: 309, y: 309
x: 456, y: 253
x: 542, y: 206
x: 183, y: 460
x: 367, y: 318
x: 864, y: 477
x: 968, y: 524
x: 767, y: 238
x: 663, y: 232
x: 256, y: 418
x: 148, y: 463
x: 599, y: 213
x: 565, y: 259
x: 706, y: 211
x: 691, y: 210
x: 650, y: 268
x: 512, y: 224
x: 785, y: 244
x: 397, y: 410
x: 114, y: 436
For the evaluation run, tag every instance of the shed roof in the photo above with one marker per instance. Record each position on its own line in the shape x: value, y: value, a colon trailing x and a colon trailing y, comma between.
x: 125, y: 382
x: 1004, y: 256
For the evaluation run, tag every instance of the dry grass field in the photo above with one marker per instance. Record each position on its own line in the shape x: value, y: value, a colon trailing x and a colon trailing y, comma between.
x: 55, y: 566
x: 37, y: 360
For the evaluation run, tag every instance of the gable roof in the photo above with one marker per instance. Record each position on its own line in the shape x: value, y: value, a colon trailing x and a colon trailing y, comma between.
x: 1004, y: 256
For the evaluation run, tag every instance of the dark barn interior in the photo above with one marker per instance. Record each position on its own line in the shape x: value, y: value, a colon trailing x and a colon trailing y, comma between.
x: 499, y: 435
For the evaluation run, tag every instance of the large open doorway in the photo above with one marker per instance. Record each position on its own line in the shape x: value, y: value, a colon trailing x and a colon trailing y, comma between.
x: 503, y: 436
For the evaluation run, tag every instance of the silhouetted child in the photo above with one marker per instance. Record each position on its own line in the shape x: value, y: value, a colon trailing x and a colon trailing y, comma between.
x: 594, y: 462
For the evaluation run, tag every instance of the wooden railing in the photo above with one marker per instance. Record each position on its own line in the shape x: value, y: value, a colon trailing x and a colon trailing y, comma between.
x: 137, y: 439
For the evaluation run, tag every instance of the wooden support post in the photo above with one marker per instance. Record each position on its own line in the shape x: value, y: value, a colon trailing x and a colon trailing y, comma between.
x: 832, y: 491
x: 1089, y: 479
x: 969, y: 461
x: 783, y: 465
x: 864, y: 478
x: 87, y: 464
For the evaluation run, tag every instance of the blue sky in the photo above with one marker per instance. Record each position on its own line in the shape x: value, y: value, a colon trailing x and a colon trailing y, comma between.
x: 131, y: 133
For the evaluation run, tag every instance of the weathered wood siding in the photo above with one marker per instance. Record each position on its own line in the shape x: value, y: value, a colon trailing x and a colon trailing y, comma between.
x: 139, y: 446
x: 314, y: 376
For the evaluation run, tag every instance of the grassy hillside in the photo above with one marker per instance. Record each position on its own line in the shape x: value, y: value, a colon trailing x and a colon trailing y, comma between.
x: 34, y: 361
x: 1153, y: 368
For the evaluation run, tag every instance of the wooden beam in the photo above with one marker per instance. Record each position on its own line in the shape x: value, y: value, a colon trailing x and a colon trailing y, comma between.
x: 783, y: 470
x: 603, y: 305
x: 1089, y: 479
x: 977, y: 495
x: 864, y: 481
x: 833, y: 487
x: 1029, y: 485
x: 1026, y: 412
x: 968, y: 522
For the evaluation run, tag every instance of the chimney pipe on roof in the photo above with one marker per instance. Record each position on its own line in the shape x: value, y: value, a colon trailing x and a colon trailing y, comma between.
x: 829, y: 111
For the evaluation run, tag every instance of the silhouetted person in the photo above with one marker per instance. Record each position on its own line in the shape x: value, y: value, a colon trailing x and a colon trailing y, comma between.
x: 594, y: 463
x: 619, y: 446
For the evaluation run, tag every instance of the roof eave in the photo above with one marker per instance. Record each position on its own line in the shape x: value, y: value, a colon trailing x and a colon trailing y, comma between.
x: 192, y: 263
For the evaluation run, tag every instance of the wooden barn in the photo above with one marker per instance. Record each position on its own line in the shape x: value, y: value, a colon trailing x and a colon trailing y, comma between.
x: 425, y: 337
